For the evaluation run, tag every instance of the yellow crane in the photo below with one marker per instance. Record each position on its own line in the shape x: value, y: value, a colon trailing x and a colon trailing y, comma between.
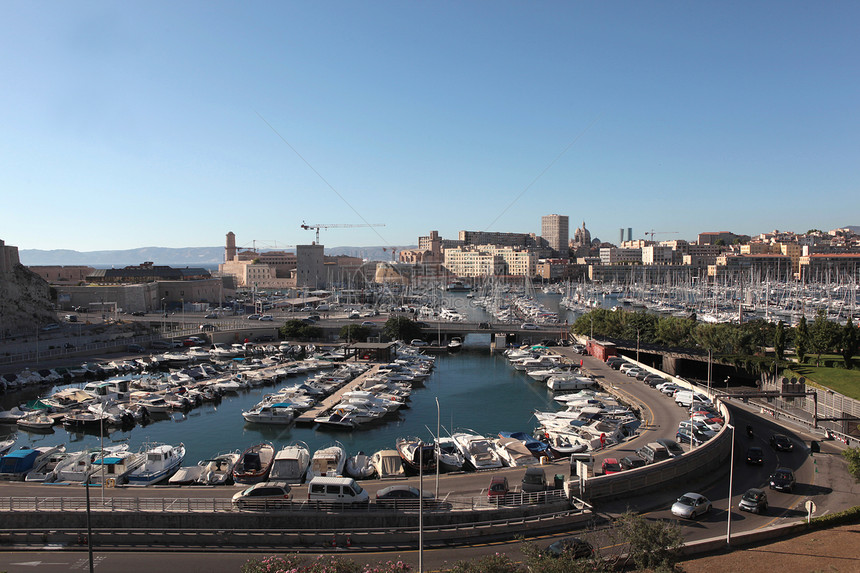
x: 337, y: 226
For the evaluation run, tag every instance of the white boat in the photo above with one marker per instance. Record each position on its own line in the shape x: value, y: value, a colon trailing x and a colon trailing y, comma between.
x: 291, y: 463
x: 79, y: 465
x: 160, y: 462
x: 113, y: 468
x: 567, y: 382
x: 359, y: 466
x: 448, y: 455
x: 477, y: 450
x: 186, y: 475
x: 514, y: 453
x: 12, y: 415
x: 218, y: 470
x: 45, y: 470
x: 281, y: 414
x: 6, y: 445
x: 37, y: 420
x: 387, y: 463
x: 329, y: 462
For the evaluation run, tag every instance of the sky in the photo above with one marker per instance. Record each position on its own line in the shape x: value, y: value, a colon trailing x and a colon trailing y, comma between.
x: 134, y: 124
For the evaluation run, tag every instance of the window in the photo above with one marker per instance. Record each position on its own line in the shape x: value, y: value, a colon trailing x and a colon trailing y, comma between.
x: 335, y: 489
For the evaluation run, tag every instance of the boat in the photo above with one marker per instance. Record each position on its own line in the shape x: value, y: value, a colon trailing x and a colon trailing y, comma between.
x: 328, y: 462
x: 44, y: 471
x: 113, y: 468
x: 254, y: 464
x: 416, y: 455
x: 291, y: 463
x: 78, y: 465
x: 387, y: 463
x: 185, y: 475
x: 160, y: 462
x: 457, y: 286
x: 37, y: 420
x: 514, y: 453
x: 455, y: 344
x: 6, y: 445
x: 536, y: 447
x: 218, y: 470
x: 15, y: 465
x: 449, y: 457
x: 359, y: 466
x: 568, y: 382
x: 281, y: 414
x: 477, y: 450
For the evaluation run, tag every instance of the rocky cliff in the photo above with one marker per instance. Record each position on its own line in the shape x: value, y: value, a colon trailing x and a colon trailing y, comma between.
x: 25, y: 302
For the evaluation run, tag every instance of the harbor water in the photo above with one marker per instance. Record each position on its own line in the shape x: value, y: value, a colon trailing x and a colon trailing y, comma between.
x: 474, y: 389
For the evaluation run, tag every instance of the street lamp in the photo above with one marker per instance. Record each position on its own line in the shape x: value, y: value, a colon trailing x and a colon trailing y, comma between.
x: 637, y: 345
x: 731, y: 477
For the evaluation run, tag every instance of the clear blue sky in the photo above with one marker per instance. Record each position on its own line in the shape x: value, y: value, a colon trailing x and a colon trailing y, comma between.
x: 131, y: 124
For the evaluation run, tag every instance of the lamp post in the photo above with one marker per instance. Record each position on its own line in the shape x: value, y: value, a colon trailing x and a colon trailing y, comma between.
x: 731, y: 477
x: 637, y: 344
x: 420, y: 507
x: 437, y: 450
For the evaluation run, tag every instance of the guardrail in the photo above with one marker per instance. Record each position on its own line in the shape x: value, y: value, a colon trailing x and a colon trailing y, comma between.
x: 220, y: 505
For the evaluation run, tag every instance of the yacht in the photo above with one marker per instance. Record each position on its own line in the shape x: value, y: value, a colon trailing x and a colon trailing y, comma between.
x: 281, y: 414
x: 291, y: 463
x: 160, y: 462
x: 113, y: 468
x: 449, y: 457
x: 514, y: 453
x: 477, y: 450
x: 329, y: 462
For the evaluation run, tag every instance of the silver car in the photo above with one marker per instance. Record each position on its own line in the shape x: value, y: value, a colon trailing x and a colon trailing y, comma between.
x: 691, y: 505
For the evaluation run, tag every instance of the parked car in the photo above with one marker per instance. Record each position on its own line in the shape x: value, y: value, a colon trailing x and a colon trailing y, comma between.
x: 634, y: 372
x: 574, y: 546
x: 672, y: 447
x: 614, y: 362
x: 267, y: 318
x: 534, y: 480
x: 418, y: 342
x: 498, y: 489
x: 654, y: 380
x: 265, y: 495
x: 193, y: 341
x: 208, y: 327
x: 652, y: 453
x: 161, y: 345
x: 529, y: 326
x: 72, y: 317
x: 783, y: 480
x: 754, y: 500
x: 254, y: 317
x: 781, y: 443
x: 625, y: 367
x: 755, y: 456
x: 138, y: 313
x: 484, y: 325
x: 688, y: 436
x: 611, y: 466
x: 691, y: 505
x: 401, y: 495
x: 632, y: 462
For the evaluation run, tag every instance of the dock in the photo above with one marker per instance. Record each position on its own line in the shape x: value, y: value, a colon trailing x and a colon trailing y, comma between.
x: 307, y: 417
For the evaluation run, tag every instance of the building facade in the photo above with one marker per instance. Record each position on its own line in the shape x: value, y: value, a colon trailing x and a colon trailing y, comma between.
x: 554, y: 229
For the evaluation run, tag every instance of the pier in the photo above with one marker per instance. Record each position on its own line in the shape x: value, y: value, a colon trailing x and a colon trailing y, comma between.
x: 307, y: 417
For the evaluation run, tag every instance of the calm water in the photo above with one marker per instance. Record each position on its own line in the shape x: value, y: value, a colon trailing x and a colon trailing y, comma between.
x: 475, y: 390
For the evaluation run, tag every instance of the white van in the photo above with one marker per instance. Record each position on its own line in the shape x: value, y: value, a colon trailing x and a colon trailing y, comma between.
x: 336, y: 490
x: 685, y: 398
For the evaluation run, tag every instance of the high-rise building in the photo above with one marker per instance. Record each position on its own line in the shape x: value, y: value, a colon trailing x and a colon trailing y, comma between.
x: 230, y: 248
x: 554, y: 228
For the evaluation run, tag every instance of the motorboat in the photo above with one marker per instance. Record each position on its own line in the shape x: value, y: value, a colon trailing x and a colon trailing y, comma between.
x: 6, y: 445
x: 45, y: 470
x: 37, y: 420
x: 83, y: 420
x: 359, y: 466
x: 329, y: 461
x: 12, y: 415
x: 291, y: 463
x: 218, y: 470
x: 79, y: 465
x: 538, y: 448
x: 455, y: 344
x: 281, y: 414
x: 514, y: 453
x: 15, y: 465
x: 160, y: 462
x: 387, y: 463
x: 113, y: 468
x: 185, y: 475
x: 569, y: 382
x: 449, y: 457
x: 254, y: 464
x: 417, y: 456
x: 477, y: 450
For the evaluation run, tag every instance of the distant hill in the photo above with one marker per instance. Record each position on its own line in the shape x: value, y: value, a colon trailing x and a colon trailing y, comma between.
x: 186, y: 256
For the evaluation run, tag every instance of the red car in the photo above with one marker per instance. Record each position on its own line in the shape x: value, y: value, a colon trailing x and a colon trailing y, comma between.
x: 611, y: 466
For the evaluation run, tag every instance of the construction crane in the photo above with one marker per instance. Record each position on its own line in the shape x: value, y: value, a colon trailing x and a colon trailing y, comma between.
x: 337, y: 226
x: 393, y: 251
x: 652, y: 232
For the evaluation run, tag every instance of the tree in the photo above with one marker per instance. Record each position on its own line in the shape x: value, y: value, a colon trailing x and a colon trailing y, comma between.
x: 848, y: 342
x: 654, y: 545
x: 779, y: 341
x: 674, y: 331
x: 355, y: 332
x: 401, y: 328
x: 823, y: 336
x: 852, y: 456
x: 298, y: 330
x: 801, y: 339
x: 720, y: 242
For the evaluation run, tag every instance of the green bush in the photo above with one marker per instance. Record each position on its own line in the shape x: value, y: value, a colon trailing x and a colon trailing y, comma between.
x: 847, y: 517
x: 321, y: 564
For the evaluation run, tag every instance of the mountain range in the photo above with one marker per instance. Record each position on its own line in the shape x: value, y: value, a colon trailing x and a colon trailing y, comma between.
x: 185, y: 256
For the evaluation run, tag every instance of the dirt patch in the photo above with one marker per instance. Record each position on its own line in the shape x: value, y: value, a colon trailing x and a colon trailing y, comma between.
x: 828, y: 550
